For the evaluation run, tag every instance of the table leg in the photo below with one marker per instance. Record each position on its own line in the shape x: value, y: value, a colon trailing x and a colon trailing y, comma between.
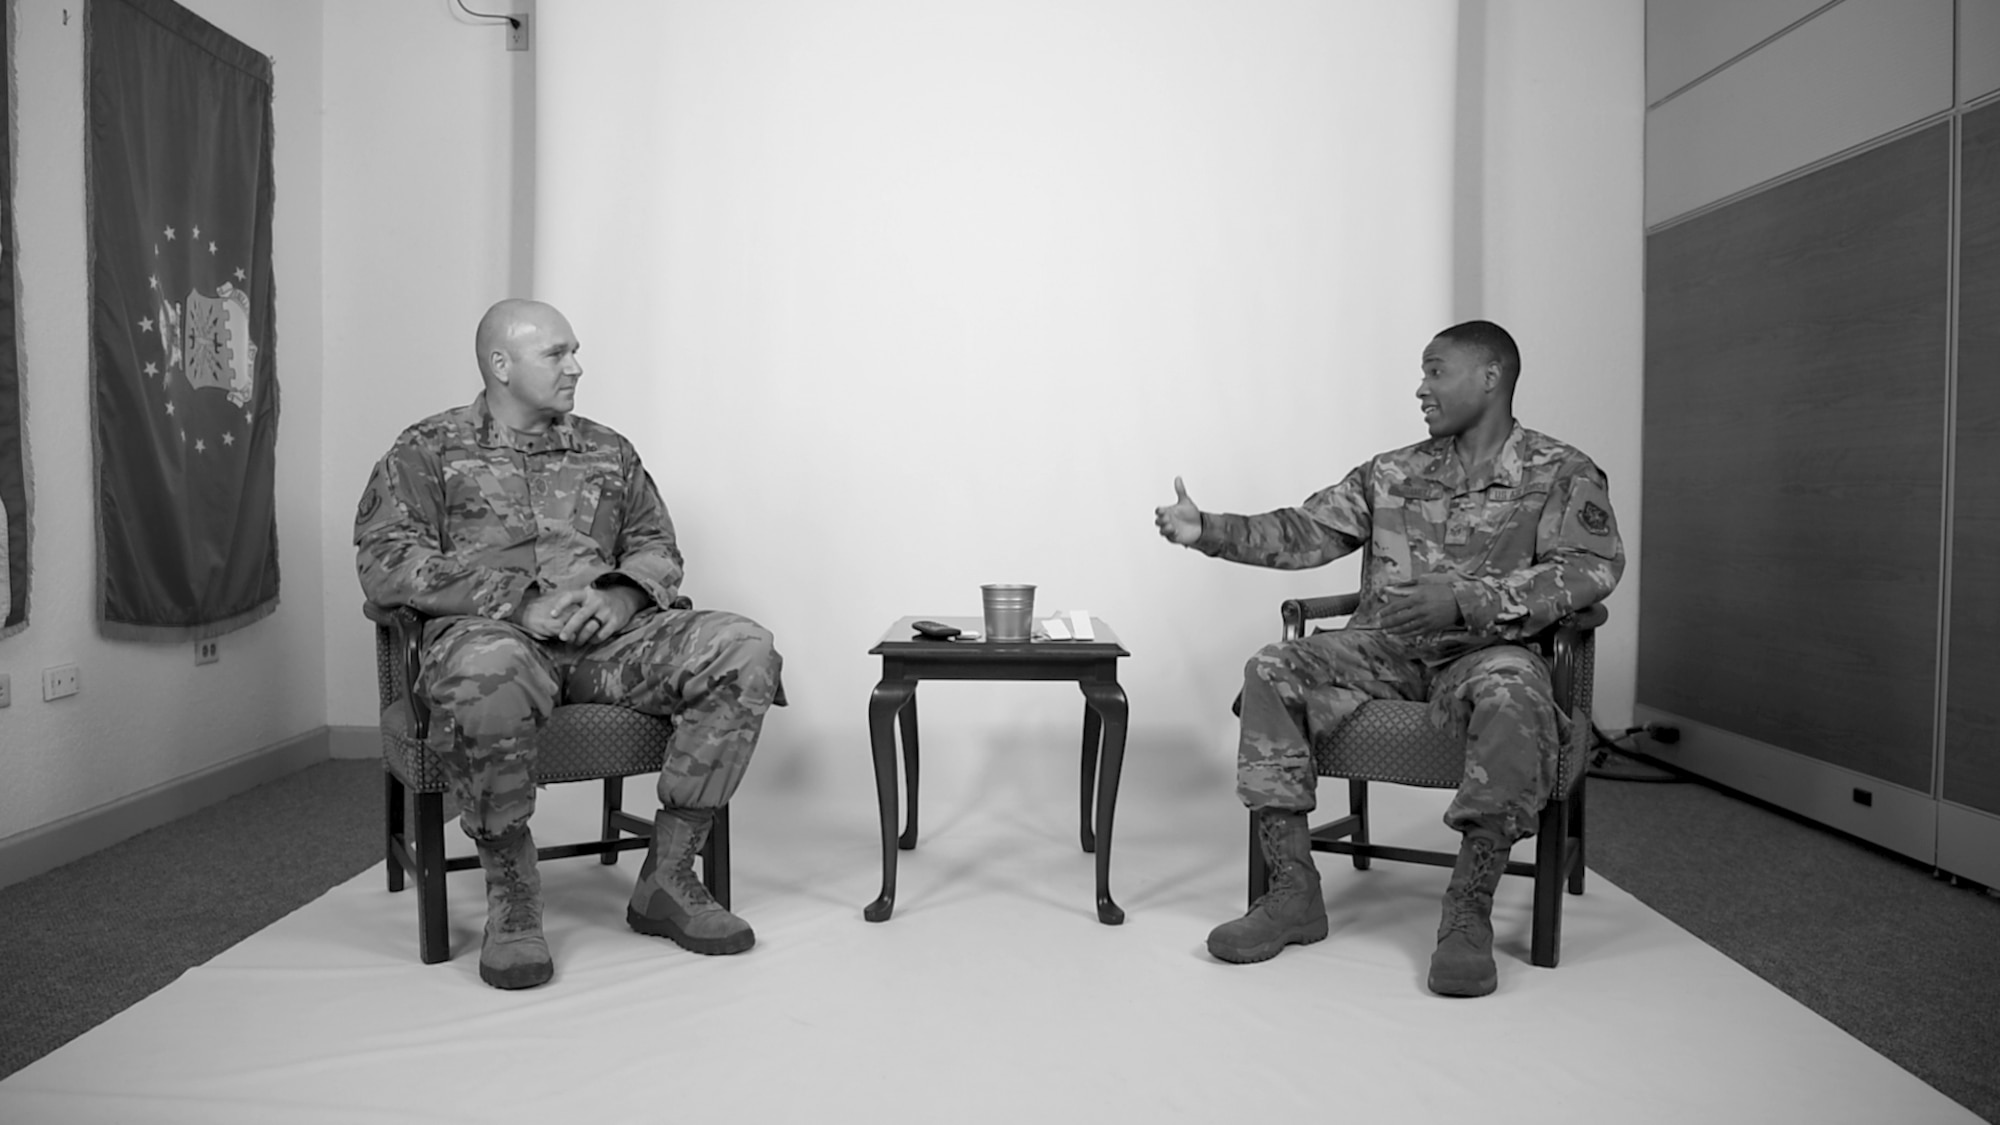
x: 883, y: 706
x: 1108, y: 700
x: 1093, y: 731
x: 907, y: 720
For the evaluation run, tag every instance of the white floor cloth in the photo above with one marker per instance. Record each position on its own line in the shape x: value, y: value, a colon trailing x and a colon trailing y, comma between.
x: 992, y: 995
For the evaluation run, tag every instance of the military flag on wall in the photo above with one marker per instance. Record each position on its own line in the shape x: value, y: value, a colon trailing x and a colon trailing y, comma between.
x: 13, y: 432
x: 183, y: 381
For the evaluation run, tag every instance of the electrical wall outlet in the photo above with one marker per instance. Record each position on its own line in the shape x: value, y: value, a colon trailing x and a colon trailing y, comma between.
x: 517, y: 31
x: 59, y: 682
x: 208, y: 651
x: 6, y: 690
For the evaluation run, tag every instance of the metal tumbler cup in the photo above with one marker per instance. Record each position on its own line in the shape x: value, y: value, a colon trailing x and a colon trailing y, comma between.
x: 1010, y: 611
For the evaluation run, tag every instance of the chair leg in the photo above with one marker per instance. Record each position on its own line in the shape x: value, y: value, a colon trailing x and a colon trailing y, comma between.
x: 715, y: 857
x: 1357, y: 804
x: 1546, y: 946
x: 1576, y: 835
x: 433, y: 934
x: 614, y: 800
x: 392, y: 821
x: 1260, y: 875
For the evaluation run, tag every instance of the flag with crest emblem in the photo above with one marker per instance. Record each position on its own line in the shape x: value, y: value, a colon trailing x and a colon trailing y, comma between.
x: 183, y: 374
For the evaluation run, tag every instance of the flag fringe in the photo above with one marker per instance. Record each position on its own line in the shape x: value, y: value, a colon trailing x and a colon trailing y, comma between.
x: 175, y: 634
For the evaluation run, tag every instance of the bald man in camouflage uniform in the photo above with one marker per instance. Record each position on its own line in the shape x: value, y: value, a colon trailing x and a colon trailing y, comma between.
x: 1475, y: 540
x: 538, y: 544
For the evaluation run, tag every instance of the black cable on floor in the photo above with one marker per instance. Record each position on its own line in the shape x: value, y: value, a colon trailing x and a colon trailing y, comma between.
x: 1603, y: 746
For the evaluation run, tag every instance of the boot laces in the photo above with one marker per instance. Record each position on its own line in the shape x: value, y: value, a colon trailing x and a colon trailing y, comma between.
x: 676, y: 875
x: 1284, y: 878
x: 521, y: 910
x: 1485, y: 857
x: 1462, y: 915
x: 692, y: 890
x: 1465, y: 911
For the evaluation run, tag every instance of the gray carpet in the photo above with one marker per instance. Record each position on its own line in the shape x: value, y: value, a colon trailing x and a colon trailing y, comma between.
x: 1907, y: 963
x: 93, y: 937
x: 1902, y: 960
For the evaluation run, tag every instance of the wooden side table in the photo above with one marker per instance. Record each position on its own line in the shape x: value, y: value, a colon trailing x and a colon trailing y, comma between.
x: 907, y: 659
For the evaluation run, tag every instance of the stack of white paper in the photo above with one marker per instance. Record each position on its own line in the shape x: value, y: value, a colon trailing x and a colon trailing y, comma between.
x: 1073, y: 625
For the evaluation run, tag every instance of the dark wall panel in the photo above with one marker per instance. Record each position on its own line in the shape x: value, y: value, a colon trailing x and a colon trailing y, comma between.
x: 1794, y: 454
x: 1972, y: 705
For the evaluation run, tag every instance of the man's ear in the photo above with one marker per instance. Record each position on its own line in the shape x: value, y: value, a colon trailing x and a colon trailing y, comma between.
x: 496, y: 362
x: 1490, y: 373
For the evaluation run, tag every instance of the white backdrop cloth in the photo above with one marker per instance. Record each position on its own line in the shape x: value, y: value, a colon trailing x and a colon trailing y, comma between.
x: 992, y: 995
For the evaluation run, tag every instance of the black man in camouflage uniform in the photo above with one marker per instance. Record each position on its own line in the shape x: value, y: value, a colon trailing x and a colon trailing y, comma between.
x: 1476, y: 539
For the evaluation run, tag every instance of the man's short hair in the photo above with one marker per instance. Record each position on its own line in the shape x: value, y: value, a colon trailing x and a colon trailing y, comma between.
x: 1491, y: 339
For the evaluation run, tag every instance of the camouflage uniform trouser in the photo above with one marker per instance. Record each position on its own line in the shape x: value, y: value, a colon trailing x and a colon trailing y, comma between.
x: 714, y: 673
x: 1500, y: 698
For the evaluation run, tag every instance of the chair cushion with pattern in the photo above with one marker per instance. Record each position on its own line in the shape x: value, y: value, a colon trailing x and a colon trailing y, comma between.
x: 581, y: 742
x: 1395, y: 741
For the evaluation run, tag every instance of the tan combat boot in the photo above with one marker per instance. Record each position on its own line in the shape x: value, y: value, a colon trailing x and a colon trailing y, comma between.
x: 670, y: 902
x: 1463, y: 964
x: 1291, y: 912
x: 513, y: 953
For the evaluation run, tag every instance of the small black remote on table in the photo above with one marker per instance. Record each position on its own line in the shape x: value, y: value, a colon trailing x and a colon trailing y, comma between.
x: 935, y: 630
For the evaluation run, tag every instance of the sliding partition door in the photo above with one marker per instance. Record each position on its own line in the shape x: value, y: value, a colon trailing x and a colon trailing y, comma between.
x: 1821, y: 546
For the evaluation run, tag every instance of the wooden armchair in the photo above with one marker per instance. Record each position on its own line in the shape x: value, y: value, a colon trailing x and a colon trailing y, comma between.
x: 581, y: 742
x: 1394, y: 741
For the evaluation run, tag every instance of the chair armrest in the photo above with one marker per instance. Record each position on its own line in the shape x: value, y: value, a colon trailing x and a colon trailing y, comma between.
x: 1565, y: 642
x: 1585, y: 619
x: 1567, y: 639
x: 406, y: 625
x: 1295, y: 612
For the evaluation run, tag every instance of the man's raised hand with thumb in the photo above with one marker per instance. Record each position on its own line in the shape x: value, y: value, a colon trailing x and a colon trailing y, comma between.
x: 1180, y: 521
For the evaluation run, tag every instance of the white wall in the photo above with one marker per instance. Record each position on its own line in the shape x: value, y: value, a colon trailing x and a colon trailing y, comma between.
x: 428, y: 132
x: 835, y: 270
x: 147, y: 714
x: 1563, y: 254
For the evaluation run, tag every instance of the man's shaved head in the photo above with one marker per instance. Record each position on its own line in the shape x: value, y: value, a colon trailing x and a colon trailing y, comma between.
x: 505, y: 321
x: 527, y: 359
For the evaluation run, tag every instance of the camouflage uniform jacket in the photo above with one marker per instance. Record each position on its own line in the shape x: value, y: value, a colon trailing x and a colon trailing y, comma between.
x: 1531, y: 542
x: 464, y: 516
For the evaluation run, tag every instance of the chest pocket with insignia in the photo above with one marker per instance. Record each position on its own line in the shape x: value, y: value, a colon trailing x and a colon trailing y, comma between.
x: 600, y: 502
x: 1409, y: 522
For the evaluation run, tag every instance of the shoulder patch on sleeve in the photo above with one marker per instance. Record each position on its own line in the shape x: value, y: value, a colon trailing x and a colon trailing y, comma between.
x: 1588, y: 520
x: 371, y: 499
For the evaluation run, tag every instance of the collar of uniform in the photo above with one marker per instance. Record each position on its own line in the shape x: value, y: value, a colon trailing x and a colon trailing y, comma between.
x: 1446, y: 469
x: 494, y: 434
x: 1507, y: 463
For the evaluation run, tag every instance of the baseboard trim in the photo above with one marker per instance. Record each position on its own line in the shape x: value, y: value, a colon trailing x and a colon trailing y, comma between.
x: 1969, y: 843
x: 1899, y: 819
x: 354, y: 742
x: 27, y: 854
